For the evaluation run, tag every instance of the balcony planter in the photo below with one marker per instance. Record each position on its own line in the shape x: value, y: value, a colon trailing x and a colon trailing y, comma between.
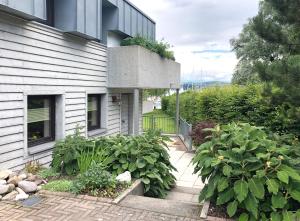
x: 138, y: 67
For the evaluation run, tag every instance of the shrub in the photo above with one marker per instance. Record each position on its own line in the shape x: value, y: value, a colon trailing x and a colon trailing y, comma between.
x: 93, y: 179
x: 58, y: 186
x: 199, y: 134
x: 47, y: 173
x: 255, y: 175
x: 66, y: 153
x: 146, y: 157
x: 160, y: 48
x: 234, y: 103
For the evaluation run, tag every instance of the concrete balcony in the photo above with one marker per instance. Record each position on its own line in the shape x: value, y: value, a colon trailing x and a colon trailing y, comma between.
x: 137, y: 67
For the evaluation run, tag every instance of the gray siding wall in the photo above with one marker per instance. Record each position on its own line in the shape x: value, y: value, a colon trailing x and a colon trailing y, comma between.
x: 36, y: 59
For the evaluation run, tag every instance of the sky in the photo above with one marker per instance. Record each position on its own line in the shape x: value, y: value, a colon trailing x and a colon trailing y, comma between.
x: 200, y: 31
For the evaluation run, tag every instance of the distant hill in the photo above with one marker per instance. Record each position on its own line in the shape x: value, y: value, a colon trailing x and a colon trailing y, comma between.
x: 199, y: 85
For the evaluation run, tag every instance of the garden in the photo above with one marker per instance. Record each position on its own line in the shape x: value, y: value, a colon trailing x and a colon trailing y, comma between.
x: 103, y: 167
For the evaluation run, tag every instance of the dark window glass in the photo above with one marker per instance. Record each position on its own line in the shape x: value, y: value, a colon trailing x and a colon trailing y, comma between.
x: 40, y: 119
x: 94, y: 107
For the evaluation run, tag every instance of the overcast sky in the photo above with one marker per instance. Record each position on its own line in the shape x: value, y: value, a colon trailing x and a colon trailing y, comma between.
x: 199, y: 31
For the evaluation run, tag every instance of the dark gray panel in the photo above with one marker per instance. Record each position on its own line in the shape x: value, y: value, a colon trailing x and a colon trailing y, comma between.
x: 134, y: 19
x: 121, y: 15
x: 140, y: 24
x: 81, y: 17
x: 30, y: 9
x: 145, y: 26
x: 127, y: 18
x: 149, y: 28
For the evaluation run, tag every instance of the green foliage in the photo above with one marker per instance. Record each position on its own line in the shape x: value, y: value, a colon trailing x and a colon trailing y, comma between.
x: 255, y: 175
x: 161, y: 48
x: 48, y: 173
x: 146, y: 157
x: 95, y: 178
x: 66, y: 153
x: 58, y: 186
x: 235, y: 103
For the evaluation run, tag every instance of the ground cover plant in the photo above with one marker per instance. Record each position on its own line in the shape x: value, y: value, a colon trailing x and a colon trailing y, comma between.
x: 162, y: 48
x: 94, y: 164
x: 253, y: 174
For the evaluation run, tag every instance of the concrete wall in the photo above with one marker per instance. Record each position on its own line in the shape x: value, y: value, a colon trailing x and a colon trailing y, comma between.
x: 137, y: 67
x: 39, y: 60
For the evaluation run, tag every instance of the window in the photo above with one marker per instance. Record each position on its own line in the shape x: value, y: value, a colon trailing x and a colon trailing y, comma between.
x: 94, y: 113
x: 40, y: 119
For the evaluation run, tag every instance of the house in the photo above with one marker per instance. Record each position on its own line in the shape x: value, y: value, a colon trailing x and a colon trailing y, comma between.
x: 61, y: 66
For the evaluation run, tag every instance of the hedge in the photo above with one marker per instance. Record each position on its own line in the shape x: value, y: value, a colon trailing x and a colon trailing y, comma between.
x: 233, y: 103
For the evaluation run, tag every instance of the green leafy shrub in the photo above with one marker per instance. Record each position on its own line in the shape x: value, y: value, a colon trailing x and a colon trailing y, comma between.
x: 58, y: 186
x: 48, y: 173
x: 95, y: 178
x: 160, y: 48
x: 200, y: 134
x: 234, y: 103
x: 66, y: 153
x: 255, y: 175
x: 146, y: 157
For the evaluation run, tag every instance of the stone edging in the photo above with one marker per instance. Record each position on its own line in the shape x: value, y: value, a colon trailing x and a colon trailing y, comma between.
x: 136, y: 188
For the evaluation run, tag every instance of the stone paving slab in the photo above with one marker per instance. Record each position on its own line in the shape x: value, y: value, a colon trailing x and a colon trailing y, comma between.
x: 59, y: 208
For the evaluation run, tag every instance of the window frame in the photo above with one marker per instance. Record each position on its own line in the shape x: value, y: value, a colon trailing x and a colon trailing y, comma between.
x: 98, y: 126
x: 52, y: 99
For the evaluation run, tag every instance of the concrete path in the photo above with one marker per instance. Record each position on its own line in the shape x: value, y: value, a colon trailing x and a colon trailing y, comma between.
x: 182, y: 161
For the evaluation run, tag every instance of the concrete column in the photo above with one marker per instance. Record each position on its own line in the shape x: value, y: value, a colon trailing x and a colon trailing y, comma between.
x: 136, y: 112
x: 177, y: 111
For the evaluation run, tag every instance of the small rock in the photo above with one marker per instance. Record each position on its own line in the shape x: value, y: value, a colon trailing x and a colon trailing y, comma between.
x: 12, y: 175
x: 19, y: 190
x: 4, y: 189
x: 11, y: 187
x: 14, y: 180
x: 2, y: 182
x: 124, y: 177
x: 10, y: 196
x: 21, y: 197
x: 32, y: 178
x: 22, y: 176
x: 39, y: 188
x: 38, y: 182
x: 4, y: 174
x: 27, y: 186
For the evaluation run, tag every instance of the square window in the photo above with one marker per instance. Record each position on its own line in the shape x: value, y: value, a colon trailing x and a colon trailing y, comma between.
x: 94, y: 112
x: 40, y: 119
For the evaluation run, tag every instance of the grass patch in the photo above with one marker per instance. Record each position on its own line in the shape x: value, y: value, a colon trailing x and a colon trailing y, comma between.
x: 159, y: 120
x: 59, y: 186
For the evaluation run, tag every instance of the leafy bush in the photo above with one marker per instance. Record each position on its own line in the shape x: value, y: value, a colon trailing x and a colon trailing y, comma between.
x: 200, y: 134
x: 145, y: 157
x: 234, y: 103
x: 48, y: 173
x: 93, y: 179
x: 255, y: 175
x: 66, y: 153
x: 160, y: 48
x: 58, y: 186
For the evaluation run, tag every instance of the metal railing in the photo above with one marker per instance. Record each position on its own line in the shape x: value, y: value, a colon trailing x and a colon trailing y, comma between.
x: 165, y: 124
x: 185, y: 130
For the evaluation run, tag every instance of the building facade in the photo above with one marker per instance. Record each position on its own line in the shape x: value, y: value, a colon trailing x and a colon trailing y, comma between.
x: 62, y: 68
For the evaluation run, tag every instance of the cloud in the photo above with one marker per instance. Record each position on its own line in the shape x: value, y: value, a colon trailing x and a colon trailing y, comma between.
x: 204, y: 26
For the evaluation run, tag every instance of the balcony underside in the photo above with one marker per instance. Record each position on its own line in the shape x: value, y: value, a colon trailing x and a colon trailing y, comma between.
x: 137, y: 67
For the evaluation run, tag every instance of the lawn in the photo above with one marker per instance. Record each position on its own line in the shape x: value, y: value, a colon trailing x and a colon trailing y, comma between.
x: 159, y: 120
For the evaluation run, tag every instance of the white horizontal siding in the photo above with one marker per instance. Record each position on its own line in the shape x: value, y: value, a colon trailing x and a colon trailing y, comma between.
x: 36, y: 59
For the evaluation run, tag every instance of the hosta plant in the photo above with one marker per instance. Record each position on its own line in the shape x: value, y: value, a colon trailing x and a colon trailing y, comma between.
x: 146, y: 158
x: 254, y: 175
